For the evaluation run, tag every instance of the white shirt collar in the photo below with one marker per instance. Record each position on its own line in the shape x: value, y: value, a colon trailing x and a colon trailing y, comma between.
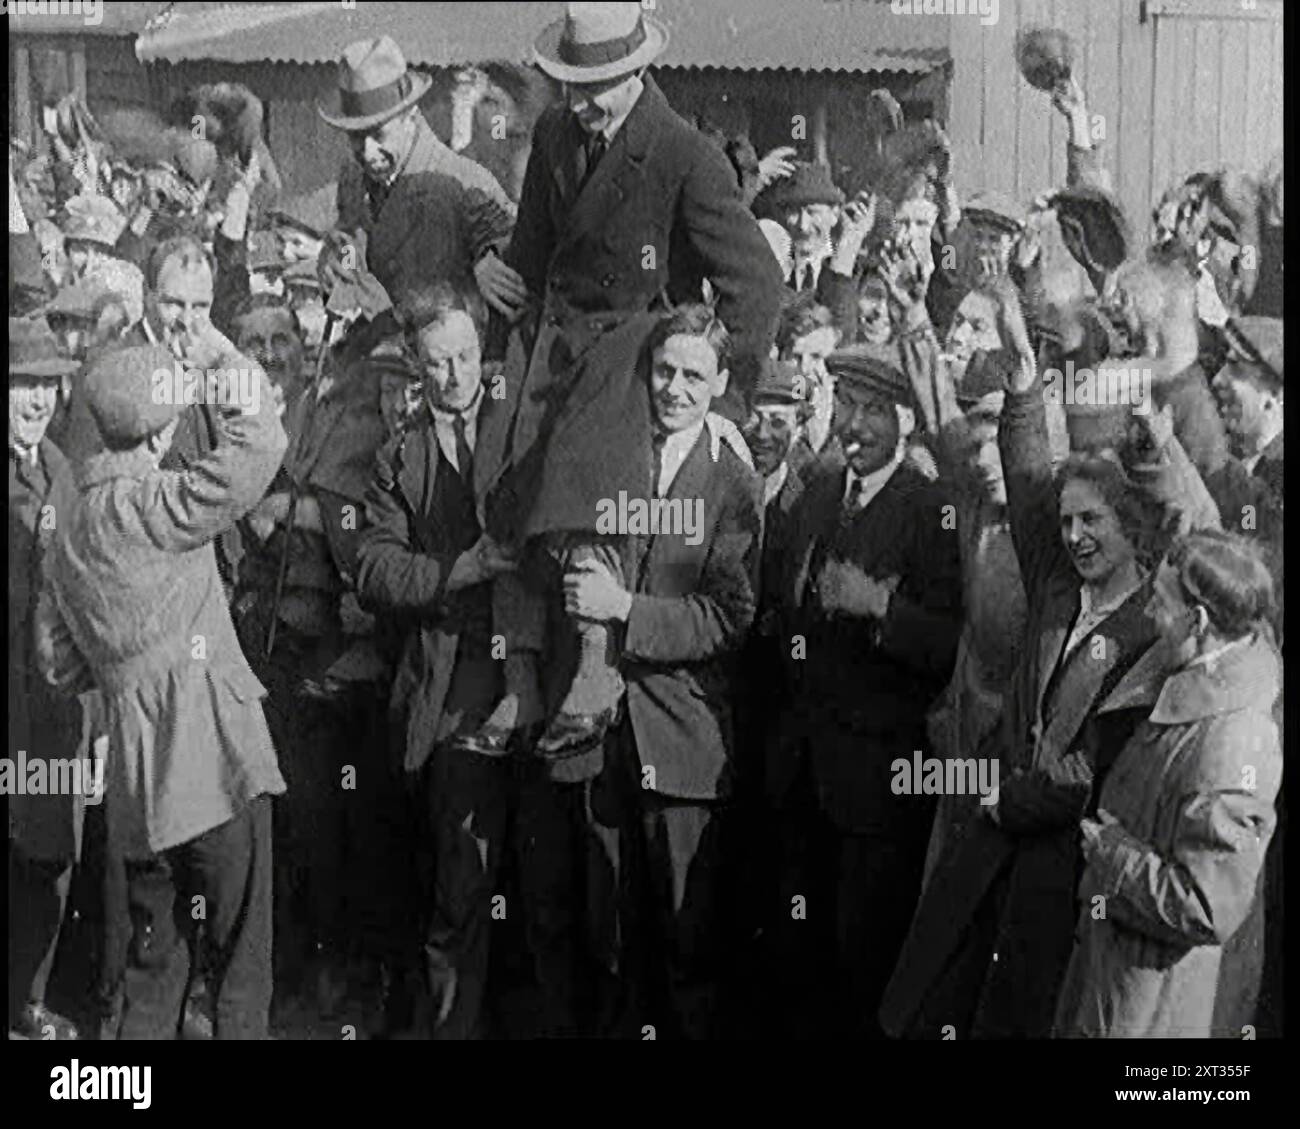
x: 872, y: 483
x: 444, y: 427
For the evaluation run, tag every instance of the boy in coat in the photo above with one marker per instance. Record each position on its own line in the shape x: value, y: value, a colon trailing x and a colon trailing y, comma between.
x: 133, y: 605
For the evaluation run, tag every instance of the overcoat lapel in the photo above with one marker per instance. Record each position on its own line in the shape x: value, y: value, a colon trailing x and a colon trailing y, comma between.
x: 1085, y: 673
x: 691, y: 482
x: 614, y: 177
x: 820, y: 509
x: 416, y: 475
x: 1062, y: 604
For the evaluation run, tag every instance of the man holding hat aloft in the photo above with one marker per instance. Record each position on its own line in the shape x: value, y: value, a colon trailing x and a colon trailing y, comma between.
x: 133, y: 605
x: 874, y: 595
x: 44, y: 830
x: 91, y: 229
x: 410, y: 210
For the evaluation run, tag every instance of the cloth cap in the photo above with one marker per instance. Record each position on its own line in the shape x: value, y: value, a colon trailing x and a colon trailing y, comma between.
x: 871, y: 371
x: 810, y: 183
x: 995, y: 210
x: 779, y: 382
x: 120, y: 393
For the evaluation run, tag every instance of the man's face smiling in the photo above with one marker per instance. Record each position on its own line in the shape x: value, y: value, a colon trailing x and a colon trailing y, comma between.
x: 810, y: 227
x: 32, y: 400
x: 450, y: 362
x: 869, y: 430
x: 381, y: 149
x: 771, y: 431
x: 183, y: 301
x: 684, y: 379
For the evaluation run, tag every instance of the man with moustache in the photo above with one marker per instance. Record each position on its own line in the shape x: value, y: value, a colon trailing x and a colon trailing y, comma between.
x: 410, y: 210
x: 44, y: 830
x: 873, y: 613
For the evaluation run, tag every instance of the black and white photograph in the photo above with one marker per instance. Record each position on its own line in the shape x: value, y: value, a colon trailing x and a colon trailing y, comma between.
x: 747, y: 521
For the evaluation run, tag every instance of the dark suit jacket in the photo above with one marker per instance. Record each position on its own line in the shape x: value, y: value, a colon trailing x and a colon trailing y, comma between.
x: 657, y: 215
x: 862, y: 693
x: 691, y: 608
x: 405, y: 555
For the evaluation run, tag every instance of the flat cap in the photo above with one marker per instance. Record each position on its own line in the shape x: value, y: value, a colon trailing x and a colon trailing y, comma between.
x: 779, y: 383
x: 810, y: 183
x: 34, y: 350
x: 871, y: 371
x: 121, y: 393
x: 1045, y: 56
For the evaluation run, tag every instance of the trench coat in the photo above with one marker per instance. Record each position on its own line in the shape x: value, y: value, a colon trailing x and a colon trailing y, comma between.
x: 1192, y: 794
x: 133, y: 604
x: 660, y: 212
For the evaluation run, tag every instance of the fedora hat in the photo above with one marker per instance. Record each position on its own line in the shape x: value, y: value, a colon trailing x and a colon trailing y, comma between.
x: 34, y: 350
x: 374, y: 85
x: 597, y: 42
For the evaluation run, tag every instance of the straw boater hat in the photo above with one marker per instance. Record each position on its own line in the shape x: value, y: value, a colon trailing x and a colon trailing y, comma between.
x: 597, y: 42
x: 374, y: 85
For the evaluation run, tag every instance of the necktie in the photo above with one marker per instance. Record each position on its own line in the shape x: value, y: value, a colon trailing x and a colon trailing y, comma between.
x: 805, y: 281
x: 854, y: 496
x: 593, y: 149
x: 657, y: 462
x: 464, y: 456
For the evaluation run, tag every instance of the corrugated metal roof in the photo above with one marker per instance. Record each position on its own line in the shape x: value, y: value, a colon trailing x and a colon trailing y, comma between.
x: 848, y: 35
x: 116, y: 18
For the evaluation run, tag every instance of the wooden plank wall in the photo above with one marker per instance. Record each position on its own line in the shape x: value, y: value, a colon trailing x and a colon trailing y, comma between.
x: 1176, y: 92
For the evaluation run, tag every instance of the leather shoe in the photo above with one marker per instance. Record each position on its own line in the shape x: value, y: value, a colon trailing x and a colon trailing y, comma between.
x: 573, y: 746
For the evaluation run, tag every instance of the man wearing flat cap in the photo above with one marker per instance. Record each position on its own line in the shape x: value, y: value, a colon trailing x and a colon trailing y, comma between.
x: 133, y: 606
x: 410, y: 210
x: 91, y: 228
x: 811, y: 208
x: 874, y: 607
x: 624, y: 206
x: 44, y: 830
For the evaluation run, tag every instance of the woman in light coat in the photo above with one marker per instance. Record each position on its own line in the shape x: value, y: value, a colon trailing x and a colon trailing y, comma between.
x: 1174, y: 856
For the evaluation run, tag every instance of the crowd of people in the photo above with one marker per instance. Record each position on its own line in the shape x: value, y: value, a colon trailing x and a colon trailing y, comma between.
x: 687, y: 601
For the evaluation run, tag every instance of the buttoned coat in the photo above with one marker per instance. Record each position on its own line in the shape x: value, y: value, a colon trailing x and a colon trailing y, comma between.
x: 692, y: 606
x: 660, y: 212
x: 42, y: 725
x: 403, y: 563
x: 133, y: 605
x: 862, y: 687
x: 1178, y: 873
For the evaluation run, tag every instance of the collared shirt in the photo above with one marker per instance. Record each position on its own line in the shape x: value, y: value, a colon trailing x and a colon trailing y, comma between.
x: 1211, y: 657
x: 860, y: 489
x: 1090, y: 614
x: 677, y: 445
x: 444, y: 426
x: 774, y: 482
x: 801, y: 267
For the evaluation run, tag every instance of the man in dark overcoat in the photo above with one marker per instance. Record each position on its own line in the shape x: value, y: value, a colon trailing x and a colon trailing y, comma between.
x: 623, y: 205
x: 44, y: 829
x: 872, y: 613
